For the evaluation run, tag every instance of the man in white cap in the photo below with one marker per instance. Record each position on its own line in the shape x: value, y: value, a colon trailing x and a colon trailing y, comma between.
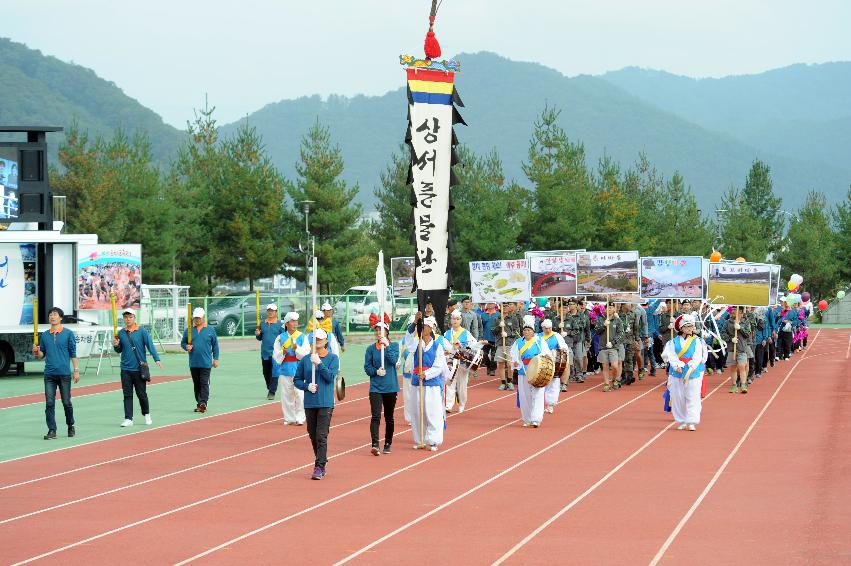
x: 555, y: 341
x: 686, y: 354
x: 289, y: 347
x: 531, y: 399
x: 457, y: 338
x: 131, y: 342
x: 336, y: 330
x: 315, y: 376
x: 428, y: 362
x: 203, y: 355
x: 266, y: 333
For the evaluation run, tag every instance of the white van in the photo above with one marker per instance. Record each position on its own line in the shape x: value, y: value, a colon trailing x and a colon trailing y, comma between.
x: 357, y: 303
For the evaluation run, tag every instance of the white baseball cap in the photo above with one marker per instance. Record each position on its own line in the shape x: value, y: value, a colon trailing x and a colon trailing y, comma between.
x: 320, y: 334
x: 529, y: 321
x: 290, y: 316
x: 272, y: 306
x: 319, y: 314
x: 198, y: 312
x: 128, y: 311
x: 327, y: 307
x: 547, y: 322
x: 431, y: 321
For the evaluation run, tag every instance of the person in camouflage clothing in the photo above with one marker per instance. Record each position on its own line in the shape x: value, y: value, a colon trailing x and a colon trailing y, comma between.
x: 574, y: 337
x: 511, y: 327
x: 632, y: 331
x: 738, y: 335
x: 611, y: 332
x: 582, y: 372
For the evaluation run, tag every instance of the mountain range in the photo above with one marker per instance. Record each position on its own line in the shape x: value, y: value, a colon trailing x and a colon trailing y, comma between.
x: 796, y: 119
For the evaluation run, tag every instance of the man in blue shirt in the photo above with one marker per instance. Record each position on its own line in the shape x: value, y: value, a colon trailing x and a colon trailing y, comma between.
x: 203, y: 355
x: 58, y: 345
x: 266, y: 333
x: 131, y: 342
x: 318, y: 396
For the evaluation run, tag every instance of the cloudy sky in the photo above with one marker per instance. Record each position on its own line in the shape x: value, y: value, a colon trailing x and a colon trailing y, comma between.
x: 168, y: 54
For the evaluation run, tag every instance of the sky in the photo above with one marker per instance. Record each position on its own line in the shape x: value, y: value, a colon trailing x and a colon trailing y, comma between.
x: 244, y: 55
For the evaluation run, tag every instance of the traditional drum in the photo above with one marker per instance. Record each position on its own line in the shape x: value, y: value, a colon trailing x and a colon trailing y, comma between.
x: 562, y: 361
x: 470, y: 358
x: 540, y: 371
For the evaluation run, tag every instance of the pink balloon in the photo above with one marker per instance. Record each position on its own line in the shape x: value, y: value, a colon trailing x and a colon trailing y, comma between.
x: 822, y: 305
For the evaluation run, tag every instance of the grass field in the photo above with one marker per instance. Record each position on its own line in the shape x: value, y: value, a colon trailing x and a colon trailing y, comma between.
x: 738, y: 293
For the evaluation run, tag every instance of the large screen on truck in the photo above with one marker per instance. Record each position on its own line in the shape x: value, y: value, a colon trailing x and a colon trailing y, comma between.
x: 8, y: 182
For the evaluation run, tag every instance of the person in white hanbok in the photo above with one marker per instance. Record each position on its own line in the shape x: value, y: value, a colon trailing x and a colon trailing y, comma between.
x: 530, y: 399
x: 686, y: 354
x: 427, y: 361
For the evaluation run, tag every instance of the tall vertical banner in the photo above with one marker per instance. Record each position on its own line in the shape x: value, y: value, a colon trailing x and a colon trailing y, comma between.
x: 431, y: 139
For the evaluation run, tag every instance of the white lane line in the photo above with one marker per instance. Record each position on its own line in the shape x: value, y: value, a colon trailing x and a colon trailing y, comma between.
x: 277, y: 420
x: 591, y: 489
x: 491, y: 479
x: 224, y: 494
x: 724, y: 465
x: 848, y: 351
x: 364, y: 486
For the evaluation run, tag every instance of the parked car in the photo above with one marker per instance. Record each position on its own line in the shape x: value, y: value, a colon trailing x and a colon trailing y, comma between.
x: 362, y: 301
x: 226, y: 314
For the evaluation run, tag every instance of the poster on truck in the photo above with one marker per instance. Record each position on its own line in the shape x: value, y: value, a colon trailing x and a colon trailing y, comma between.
x: 106, y: 268
x: 18, y: 283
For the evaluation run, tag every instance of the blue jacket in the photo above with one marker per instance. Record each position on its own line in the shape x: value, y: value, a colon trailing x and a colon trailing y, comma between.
x: 268, y: 333
x: 791, y: 316
x: 389, y: 383
x: 142, y: 340
x: 205, y: 347
x: 326, y: 373
x: 338, y: 332
x: 58, y: 349
x: 764, y: 333
x: 653, y: 319
x: 489, y: 322
x: 771, y: 320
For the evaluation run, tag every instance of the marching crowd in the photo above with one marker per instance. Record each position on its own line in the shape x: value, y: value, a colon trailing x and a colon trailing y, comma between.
x: 534, y: 348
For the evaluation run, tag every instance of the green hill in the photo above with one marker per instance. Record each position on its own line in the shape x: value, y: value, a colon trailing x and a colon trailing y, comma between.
x: 42, y: 90
x: 504, y: 97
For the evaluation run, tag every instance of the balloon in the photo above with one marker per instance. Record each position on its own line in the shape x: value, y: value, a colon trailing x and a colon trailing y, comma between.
x: 542, y: 302
x: 822, y: 305
x: 715, y: 257
x: 797, y: 279
x: 791, y: 285
x: 805, y: 296
x: 840, y: 295
x: 740, y: 259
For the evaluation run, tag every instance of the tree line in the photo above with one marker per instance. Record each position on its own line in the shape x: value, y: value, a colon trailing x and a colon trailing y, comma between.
x: 222, y: 212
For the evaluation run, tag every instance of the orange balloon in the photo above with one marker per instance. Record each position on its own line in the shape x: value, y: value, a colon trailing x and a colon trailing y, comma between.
x: 715, y: 257
x: 740, y: 259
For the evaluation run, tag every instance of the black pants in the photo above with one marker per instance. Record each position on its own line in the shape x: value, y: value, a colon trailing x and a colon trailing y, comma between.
x: 772, y: 352
x: 318, y: 424
x: 376, y: 402
x: 785, y: 344
x: 658, y: 346
x: 758, y: 358
x: 51, y: 384
x: 131, y: 380
x: 201, y: 381
x: 271, y: 382
x: 489, y: 356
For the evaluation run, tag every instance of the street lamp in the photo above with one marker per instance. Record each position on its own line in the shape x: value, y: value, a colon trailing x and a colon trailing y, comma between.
x: 309, y: 249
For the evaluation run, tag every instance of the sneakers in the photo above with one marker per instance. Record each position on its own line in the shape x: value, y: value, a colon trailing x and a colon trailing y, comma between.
x: 270, y: 397
x: 564, y: 388
x: 148, y: 420
x: 744, y: 389
x: 502, y: 387
x: 549, y: 409
x: 460, y: 408
x: 202, y: 407
x: 734, y: 389
x: 682, y: 427
x: 198, y: 408
x: 607, y: 388
x: 318, y: 473
x: 416, y: 446
x: 298, y: 423
x: 433, y: 447
x: 127, y: 422
x: 375, y: 451
x: 511, y: 387
x: 525, y: 424
x: 386, y: 449
x: 641, y: 375
x: 692, y: 428
x: 535, y: 425
x: 71, y: 431
x: 51, y: 435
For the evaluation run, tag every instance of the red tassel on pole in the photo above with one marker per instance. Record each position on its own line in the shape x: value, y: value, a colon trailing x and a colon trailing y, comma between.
x: 432, y: 47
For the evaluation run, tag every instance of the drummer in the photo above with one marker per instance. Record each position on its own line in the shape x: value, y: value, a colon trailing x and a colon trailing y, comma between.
x: 554, y: 342
x: 524, y: 350
x: 457, y: 339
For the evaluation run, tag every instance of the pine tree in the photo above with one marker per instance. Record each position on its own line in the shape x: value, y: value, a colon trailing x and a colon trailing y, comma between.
x: 842, y: 225
x: 485, y: 223
x: 559, y: 213
x: 739, y: 235
x: 680, y: 228
x: 345, y: 254
x: 810, y: 248
x: 758, y: 196
x: 616, y: 212
x: 247, y: 242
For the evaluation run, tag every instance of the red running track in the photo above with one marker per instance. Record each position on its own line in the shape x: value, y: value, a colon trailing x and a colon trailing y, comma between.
x: 605, y: 480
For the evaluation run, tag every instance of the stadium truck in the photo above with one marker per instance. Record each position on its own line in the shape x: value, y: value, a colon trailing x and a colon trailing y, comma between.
x: 43, y: 264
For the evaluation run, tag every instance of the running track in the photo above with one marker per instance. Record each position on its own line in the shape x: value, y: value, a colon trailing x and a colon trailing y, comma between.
x: 605, y: 480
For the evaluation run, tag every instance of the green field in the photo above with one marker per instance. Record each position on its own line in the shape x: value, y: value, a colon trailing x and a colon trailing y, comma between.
x: 738, y: 293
